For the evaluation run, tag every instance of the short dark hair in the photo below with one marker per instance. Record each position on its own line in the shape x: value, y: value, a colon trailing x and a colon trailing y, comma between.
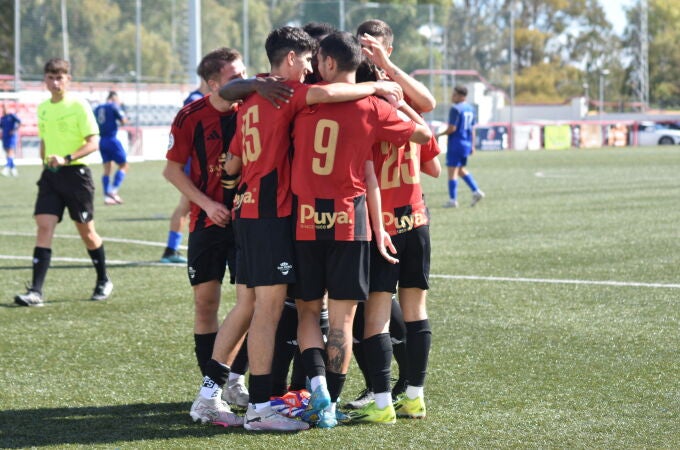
x: 344, y: 48
x: 282, y: 40
x: 212, y: 63
x: 112, y: 94
x: 319, y: 30
x: 461, y: 90
x: 377, y: 28
x: 57, y: 65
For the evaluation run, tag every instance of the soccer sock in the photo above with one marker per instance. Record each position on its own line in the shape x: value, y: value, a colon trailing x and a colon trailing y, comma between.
x: 105, y: 182
x: 10, y: 162
x: 203, y: 347
x: 336, y: 381
x: 285, y: 348
x: 453, y: 187
x: 41, y: 262
x: 240, y: 363
x: 470, y: 181
x: 313, y: 359
x: 214, y: 378
x: 378, y: 352
x: 298, y: 379
x: 398, y: 335
x: 118, y: 180
x: 98, y: 257
x: 383, y: 399
x: 324, y: 324
x: 358, y: 348
x: 259, y: 388
x: 174, y: 239
x: 415, y: 392
x: 418, y: 341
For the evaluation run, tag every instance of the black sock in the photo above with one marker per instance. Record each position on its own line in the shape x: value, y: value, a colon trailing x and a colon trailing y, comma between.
x: 358, y: 345
x: 259, y: 388
x: 217, y: 372
x: 398, y: 335
x: 378, y: 352
x: 285, y: 348
x: 313, y: 359
x: 418, y: 341
x: 41, y: 262
x: 203, y: 347
x: 335, y: 382
x: 298, y: 379
x: 240, y: 364
x: 324, y: 323
x: 99, y: 260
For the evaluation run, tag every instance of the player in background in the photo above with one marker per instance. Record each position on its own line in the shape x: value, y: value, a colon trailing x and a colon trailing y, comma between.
x: 335, y: 192
x: 68, y: 132
x: 459, y: 146
x: 262, y: 209
x: 179, y: 216
x: 108, y: 116
x: 9, y: 127
x: 202, y: 131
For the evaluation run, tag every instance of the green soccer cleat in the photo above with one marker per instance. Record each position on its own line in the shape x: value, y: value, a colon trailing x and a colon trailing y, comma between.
x: 372, y: 414
x: 410, y: 408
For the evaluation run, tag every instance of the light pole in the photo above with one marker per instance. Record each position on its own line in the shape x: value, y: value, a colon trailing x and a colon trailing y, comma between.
x: 603, y: 73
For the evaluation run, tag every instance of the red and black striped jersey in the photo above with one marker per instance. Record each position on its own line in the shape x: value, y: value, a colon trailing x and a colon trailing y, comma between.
x: 332, y: 143
x: 263, y: 143
x: 398, y: 172
x: 202, y: 134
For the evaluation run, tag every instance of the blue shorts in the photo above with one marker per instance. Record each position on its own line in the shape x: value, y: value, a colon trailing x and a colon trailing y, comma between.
x: 454, y: 159
x: 112, y: 150
x: 9, y: 142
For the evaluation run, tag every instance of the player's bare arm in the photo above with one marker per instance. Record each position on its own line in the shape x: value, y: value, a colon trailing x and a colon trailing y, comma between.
x: 233, y: 164
x: 382, y: 238
x: 91, y: 144
x: 344, y: 92
x: 216, y: 211
x: 419, y: 94
x: 432, y: 167
x: 271, y: 88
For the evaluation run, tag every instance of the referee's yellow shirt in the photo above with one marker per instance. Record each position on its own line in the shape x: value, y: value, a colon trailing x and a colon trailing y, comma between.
x: 63, y: 126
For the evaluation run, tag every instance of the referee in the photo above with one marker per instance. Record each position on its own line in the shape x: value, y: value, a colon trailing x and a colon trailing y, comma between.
x: 68, y: 132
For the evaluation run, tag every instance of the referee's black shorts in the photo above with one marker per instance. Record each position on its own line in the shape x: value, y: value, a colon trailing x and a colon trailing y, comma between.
x: 68, y: 187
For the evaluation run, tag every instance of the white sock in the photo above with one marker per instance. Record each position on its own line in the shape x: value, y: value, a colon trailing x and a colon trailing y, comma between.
x: 209, y: 389
x: 415, y: 391
x: 237, y: 376
x: 330, y: 408
x: 317, y: 381
x: 383, y: 399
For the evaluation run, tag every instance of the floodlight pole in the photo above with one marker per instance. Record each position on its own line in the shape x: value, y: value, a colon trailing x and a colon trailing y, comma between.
x: 603, y: 73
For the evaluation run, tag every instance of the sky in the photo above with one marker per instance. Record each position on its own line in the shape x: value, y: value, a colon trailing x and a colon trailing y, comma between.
x: 614, y: 9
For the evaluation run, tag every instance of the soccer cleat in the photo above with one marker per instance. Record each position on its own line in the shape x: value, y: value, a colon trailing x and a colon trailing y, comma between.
x: 399, y: 387
x: 372, y: 414
x: 30, y: 298
x: 341, y: 417
x: 411, y: 408
x: 6, y: 171
x: 214, y: 411
x: 363, y: 399
x: 173, y: 257
x: 476, y: 197
x: 327, y: 419
x: 102, y: 290
x: 268, y: 420
x: 451, y: 204
x: 115, y: 197
x: 109, y: 201
x: 236, y: 393
x: 320, y: 398
x: 14, y: 172
x: 292, y: 404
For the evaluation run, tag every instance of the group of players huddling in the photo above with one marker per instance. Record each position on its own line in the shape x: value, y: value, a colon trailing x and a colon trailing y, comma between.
x: 306, y: 183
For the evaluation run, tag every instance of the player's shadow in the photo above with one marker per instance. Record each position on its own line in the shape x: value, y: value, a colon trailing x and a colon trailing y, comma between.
x: 85, y: 426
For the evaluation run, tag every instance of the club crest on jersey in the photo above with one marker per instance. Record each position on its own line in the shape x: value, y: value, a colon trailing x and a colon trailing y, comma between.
x: 322, y: 220
x: 284, y: 268
x: 404, y: 223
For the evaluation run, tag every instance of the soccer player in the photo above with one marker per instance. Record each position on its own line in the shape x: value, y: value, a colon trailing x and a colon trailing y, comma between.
x: 202, y: 131
x: 335, y: 190
x: 108, y: 116
x: 459, y: 146
x: 262, y: 210
x: 68, y: 132
x: 171, y: 254
x: 9, y: 126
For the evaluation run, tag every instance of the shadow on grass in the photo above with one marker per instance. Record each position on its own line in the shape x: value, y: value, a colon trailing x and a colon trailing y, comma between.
x: 21, y: 428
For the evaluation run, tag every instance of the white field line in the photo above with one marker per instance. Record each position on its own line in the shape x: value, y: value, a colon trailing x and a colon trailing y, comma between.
x: 443, y: 276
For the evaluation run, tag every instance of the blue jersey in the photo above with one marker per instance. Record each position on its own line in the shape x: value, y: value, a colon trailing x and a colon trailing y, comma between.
x: 462, y: 116
x: 195, y: 95
x: 108, y: 115
x: 9, y: 124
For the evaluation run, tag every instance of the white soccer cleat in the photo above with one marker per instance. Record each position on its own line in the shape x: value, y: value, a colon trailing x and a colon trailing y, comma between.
x: 268, y: 420
x: 451, y: 204
x: 236, y: 392
x: 476, y: 197
x: 214, y: 411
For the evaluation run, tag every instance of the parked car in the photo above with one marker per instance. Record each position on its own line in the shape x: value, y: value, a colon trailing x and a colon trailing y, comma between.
x: 653, y: 133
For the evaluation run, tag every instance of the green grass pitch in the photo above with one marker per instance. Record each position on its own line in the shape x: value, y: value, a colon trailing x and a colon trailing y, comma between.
x: 555, y: 307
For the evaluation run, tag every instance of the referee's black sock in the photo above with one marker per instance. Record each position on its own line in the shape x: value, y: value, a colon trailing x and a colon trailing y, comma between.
x: 41, y: 262
x: 99, y: 260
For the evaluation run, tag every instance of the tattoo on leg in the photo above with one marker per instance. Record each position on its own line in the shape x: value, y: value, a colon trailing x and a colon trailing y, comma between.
x: 336, y: 350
